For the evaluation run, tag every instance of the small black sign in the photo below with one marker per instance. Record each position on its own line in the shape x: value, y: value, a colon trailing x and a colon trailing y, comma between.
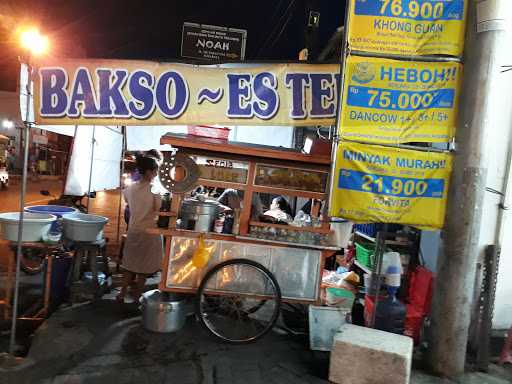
x: 208, y: 42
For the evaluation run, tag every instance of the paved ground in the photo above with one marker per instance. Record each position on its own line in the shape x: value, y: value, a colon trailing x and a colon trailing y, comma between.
x: 104, y: 342
x: 76, y: 347
x: 10, y: 197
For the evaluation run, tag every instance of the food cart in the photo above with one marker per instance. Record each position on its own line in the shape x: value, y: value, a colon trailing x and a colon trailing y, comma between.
x: 294, y: 255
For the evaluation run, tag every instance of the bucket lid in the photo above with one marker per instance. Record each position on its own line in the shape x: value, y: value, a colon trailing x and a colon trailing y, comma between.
x: 84, y: 218
x: 338, y: 220
x: 28, y: 217
x: 57, y: 210
x: 198, y: 203
x: 157, y: 297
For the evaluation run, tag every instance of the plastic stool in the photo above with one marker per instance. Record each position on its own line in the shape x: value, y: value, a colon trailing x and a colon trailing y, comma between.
x: 88, y: 252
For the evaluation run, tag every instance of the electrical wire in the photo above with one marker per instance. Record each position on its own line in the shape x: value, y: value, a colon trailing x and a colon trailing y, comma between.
x: 272, y: 22
x: 285, y: 24
x: 495, y: 191
x: 506, y: 68
x: 272, y: 32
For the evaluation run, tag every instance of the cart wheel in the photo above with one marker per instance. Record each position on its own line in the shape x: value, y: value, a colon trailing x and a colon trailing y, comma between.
x: 238, y: 301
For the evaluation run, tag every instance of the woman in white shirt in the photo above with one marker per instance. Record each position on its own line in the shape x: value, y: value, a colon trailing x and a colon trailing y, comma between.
x: 143, y: 252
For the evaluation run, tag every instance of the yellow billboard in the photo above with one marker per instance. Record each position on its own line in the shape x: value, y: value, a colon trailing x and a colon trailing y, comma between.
x: 121, y: 92
x: 382, y: 184
x: 394, y: 101
x: 407, y: 27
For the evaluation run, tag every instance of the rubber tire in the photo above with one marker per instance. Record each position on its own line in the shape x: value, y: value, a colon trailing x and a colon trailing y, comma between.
x: 219, y: 266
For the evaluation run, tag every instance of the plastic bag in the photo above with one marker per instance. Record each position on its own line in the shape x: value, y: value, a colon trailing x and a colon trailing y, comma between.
x: 202, y: 254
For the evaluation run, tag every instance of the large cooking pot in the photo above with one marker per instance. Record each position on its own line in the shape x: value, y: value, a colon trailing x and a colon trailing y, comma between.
x: 163, y: 311
x: 198, y: 215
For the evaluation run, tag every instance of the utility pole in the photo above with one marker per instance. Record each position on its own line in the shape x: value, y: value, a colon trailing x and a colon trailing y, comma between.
x: 456, y: 269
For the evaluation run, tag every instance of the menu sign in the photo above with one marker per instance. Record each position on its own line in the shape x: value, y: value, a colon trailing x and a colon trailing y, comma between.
x: 222, y: 169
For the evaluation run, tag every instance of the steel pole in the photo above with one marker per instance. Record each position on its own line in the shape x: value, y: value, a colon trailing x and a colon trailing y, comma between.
x: 456, y: 269
x: 26, y: 130
x: 91, y: 167
x: 123, y: 151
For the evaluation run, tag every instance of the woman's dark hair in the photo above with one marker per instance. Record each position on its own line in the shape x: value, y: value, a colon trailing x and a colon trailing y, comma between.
x: 145, y: 164
x: 155, y: 153
x: 228, y: 197
x: 283, y: 205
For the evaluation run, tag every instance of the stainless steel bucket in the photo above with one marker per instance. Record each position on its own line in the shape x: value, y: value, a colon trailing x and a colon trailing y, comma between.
x: 198, y: 215
x: 163, y: 311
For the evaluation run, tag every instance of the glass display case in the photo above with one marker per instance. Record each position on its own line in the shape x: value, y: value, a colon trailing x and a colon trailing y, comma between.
x: 290, y: 178
x: 219, y: 169
x: 297, y: 270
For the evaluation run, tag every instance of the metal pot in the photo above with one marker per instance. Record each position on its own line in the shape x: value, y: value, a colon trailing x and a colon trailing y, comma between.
x: 198, y: 215
x: 163, y: 311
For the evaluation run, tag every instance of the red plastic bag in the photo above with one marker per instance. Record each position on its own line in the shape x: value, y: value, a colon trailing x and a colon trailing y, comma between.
x: 421, y: 283
x: 413, y: 324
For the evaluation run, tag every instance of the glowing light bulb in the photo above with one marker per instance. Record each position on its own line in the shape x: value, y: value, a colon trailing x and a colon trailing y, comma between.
x: 32, y: 40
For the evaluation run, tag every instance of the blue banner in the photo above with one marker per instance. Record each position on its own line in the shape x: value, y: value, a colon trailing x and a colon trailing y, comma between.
x: 428, y: 10
x: 391, y: 99
x: 390, y: 185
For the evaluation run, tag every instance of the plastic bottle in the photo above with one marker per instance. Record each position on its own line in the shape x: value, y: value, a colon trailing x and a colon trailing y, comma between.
x: 392, y: 270
x: 228, y: 224
x: 163, y: 221
x: 236, y: 221
x: 219, y: 225
x: 390, y: 316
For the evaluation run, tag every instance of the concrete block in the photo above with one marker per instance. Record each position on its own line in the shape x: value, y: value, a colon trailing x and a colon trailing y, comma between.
x: 367, y: 356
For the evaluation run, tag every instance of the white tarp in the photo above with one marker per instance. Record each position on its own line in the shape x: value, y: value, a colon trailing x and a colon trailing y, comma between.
x: 23, y: 96
x: 106, y: 163
x: 67, y: 130
x: 274, y: 136
x: 144, y: 138
x: 108, y: 143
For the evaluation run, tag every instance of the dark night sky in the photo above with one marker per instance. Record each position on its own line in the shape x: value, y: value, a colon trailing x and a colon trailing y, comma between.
x: 146, y: 29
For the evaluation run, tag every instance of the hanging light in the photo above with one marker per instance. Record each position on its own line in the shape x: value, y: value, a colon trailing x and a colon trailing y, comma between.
x: 8, y: 124
x: 32, y: 40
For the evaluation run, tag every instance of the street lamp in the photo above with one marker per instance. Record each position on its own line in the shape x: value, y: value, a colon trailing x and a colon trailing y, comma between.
x: 35, y: 44
x: 7, y: 124
x: 32, y: 40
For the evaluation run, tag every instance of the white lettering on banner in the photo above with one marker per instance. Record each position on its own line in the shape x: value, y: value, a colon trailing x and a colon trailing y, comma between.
x: 202, y: 43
